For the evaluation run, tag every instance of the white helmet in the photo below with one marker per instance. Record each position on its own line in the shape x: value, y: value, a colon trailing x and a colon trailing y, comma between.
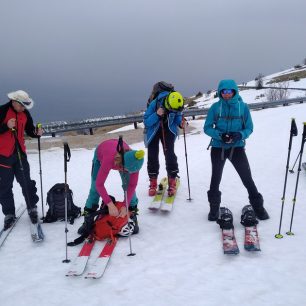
x: 21, y: 97
x: 127, y: 229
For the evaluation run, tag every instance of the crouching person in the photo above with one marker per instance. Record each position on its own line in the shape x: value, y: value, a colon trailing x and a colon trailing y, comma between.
x: 128, y: 162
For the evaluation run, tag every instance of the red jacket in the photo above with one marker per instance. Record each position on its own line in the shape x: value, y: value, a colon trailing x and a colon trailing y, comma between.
x: 24, y: 123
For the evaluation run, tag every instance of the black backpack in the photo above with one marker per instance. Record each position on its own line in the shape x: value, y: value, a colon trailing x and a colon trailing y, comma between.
x: 158, y: 88
x: 56, y: 202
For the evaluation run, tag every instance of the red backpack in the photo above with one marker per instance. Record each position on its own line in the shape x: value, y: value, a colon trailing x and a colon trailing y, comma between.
x: 107, y: 226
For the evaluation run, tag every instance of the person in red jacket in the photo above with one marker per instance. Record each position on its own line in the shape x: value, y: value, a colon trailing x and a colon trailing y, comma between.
x: 15, y: 120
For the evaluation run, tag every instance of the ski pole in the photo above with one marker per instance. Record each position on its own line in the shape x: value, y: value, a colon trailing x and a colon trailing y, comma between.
x: 67, y: 156
x: 186, y: 158
x: 293, y: 132
x: 120, y: 150
x: 40, y: 174
x: 290, y: 233
x: 292, y: 171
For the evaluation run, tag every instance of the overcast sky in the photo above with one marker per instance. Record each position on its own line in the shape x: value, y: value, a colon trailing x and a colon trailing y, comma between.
x: 92, y: 58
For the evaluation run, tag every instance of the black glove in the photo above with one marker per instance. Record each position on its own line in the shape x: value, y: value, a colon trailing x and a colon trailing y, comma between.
x: 236, y: 136
x: 226, y: 137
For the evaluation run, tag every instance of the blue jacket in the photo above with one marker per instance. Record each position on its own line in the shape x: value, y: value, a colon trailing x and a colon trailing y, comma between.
x: 152, y: 120
x: 228, y: 116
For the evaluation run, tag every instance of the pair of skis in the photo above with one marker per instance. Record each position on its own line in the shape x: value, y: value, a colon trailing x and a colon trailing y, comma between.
x: 37, y: 234
x: 249, y: 221
x: 161, y: 200
x: 251, y: 240
x: 97, y: 269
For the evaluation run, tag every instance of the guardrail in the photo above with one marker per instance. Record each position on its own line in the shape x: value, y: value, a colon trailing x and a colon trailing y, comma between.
x: 90, y: 124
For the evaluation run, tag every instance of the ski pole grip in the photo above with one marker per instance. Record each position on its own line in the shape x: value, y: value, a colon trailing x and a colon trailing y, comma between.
x: 293, y: 130
x: 304, y: 132
x: 39, y: 125
x: 67, y: 154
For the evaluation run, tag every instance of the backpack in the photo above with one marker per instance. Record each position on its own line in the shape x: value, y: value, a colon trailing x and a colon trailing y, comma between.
x: 158, y: 88
x: 107, y: 226
x: 100, y: 225
x: 56, y: 202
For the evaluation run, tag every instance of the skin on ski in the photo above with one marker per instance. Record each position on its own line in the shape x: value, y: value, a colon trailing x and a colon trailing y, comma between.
x: 4, y: 233
x: 156, y: 202
x: 168, y: 202
x: 99, y: 266
x: 230, y: 246
x: 78, y: 266
x: 251, y: 239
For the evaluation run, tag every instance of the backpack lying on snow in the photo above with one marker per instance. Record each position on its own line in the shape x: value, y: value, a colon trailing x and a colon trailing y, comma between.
x: 56, y: 202
x: 100, y: 225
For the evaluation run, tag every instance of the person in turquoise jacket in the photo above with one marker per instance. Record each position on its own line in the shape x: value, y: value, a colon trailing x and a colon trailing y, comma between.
x: 162, y: 119
x: 229, y: 124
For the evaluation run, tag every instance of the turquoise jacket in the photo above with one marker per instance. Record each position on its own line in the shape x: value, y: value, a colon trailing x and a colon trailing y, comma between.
x: 152, y: 120
x: 227, y: 117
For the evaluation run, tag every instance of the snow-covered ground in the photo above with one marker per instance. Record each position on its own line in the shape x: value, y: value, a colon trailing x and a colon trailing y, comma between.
x: 179, y: 257
x: 253, y: 95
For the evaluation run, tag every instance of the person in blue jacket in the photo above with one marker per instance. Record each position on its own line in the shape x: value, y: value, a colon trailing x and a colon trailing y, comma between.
x: 162, y: 119
x: 229, y: 123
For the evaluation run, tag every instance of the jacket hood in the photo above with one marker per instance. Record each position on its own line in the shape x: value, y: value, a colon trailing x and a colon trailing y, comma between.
x: 229, y: 84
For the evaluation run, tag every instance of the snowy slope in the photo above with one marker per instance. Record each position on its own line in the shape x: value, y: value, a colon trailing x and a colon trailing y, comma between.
x: 254, y: 95
x: 179, y: 257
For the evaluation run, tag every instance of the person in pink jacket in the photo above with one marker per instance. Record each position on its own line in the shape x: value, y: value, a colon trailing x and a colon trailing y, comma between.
x: 107, y: 158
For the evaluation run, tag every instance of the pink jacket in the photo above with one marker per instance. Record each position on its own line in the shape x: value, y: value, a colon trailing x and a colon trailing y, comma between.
x: 106, y: 153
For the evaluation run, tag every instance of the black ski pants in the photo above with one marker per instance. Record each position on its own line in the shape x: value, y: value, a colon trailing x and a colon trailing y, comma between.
x: 240, y: 163
x: 9, y: 169
x: 167, y: 139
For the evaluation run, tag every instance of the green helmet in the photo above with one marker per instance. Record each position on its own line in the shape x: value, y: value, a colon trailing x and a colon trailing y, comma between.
x: 174, y: 101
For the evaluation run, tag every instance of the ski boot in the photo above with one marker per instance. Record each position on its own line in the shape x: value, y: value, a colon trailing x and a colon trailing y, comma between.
x: 171, y: 186
x: 152, y: 187
x: 257, y: 204
x: 88, y: 220
x: 214, y: 199
x: 33, y: 215
x: 8, y: 221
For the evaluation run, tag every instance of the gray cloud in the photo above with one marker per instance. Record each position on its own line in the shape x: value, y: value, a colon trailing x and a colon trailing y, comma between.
x: 93, y: 58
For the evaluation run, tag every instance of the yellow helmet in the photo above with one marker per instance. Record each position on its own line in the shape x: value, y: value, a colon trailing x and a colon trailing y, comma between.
x: 174, y: 101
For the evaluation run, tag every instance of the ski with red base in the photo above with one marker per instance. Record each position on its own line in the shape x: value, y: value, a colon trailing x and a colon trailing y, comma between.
x: 230, y: 245
x: 99, y: 266
x: 251, y: 239
x: 79, y: 264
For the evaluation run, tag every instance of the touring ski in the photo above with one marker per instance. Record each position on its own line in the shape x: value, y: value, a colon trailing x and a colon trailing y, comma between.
x: 230, y: 245
x: 225, y: 221
x: 251, y: 239
x: 157, y: 200
x: 99, y: 266
x: 4, y: 233
x: 78, y: 266
x: 249, y: 221
x: 168, y: 201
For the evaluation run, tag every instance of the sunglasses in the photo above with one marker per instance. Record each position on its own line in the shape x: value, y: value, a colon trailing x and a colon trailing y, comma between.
x: 24, y: 103
x: 227, y: 91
